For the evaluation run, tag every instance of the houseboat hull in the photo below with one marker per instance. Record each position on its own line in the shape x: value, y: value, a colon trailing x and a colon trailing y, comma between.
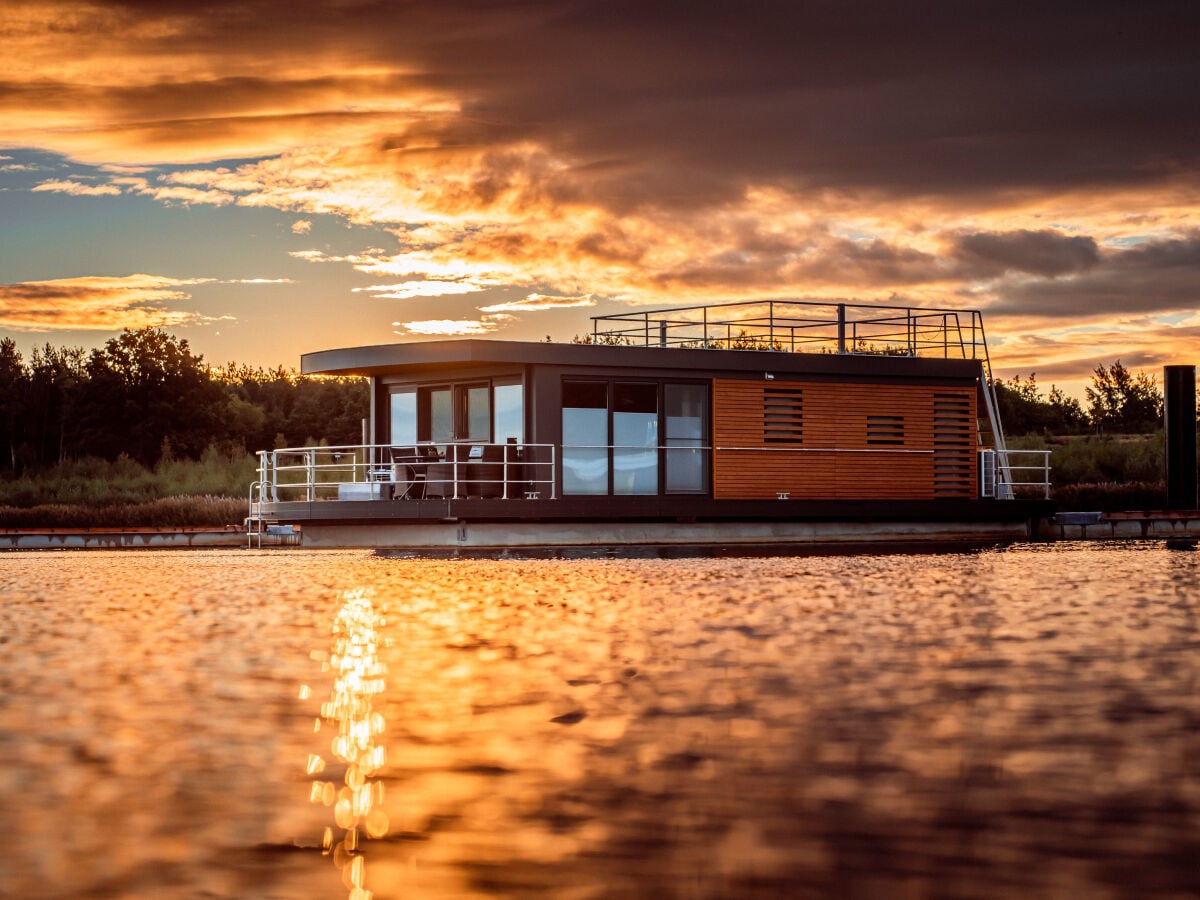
x: 477, y: 523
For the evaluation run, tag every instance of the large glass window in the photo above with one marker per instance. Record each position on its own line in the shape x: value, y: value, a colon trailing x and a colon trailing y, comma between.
x: 477, y: 413
x: 508, y: 413
x: 441, y: 415
x: 635, y: 438
x: 403, y: 414
x: 686, y: 409
x: 585, y: 437
x: 611, y: 437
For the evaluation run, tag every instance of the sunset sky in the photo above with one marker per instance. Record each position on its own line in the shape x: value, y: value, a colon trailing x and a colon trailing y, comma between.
x: 267, y: 178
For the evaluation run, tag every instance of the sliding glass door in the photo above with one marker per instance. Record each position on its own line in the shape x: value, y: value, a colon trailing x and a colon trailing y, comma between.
x: 611, y: 437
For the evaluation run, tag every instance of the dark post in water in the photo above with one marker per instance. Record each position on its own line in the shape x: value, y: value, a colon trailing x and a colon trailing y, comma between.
x: 1179, y: 424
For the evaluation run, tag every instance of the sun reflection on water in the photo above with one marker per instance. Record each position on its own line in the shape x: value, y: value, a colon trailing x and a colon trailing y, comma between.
x: 351, y: 711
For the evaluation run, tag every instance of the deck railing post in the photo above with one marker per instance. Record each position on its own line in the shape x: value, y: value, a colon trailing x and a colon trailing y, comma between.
x: 310, y: 473
x: 841, y: 328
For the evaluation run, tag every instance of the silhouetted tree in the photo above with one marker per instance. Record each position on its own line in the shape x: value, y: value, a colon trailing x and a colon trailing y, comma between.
x: 51, y: 422
x: 146, y: 387
x: 1024, y: 410
x: 1123, y: 401
x: 14, y: 384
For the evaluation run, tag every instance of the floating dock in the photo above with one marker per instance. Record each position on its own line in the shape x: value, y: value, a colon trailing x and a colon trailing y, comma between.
x: 143, y: 538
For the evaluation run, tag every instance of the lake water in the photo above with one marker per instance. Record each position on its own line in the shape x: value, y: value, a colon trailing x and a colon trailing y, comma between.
x: 1015, y: 722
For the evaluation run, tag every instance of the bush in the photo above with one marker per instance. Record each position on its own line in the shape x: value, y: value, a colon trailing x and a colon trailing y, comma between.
x: 1100, y: 460
x: 1111, y: 496
x: 95, y: 482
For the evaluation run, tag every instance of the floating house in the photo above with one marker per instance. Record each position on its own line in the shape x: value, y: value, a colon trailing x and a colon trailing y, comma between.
x: 780, y: 422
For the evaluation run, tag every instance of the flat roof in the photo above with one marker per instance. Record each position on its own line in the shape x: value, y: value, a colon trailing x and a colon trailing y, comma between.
x: 395, y: 359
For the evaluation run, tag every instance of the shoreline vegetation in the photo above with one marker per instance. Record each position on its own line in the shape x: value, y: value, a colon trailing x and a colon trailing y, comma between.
x: 95, y: 493
x: 142, y: 433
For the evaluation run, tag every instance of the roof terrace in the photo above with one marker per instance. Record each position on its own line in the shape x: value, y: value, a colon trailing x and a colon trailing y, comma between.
x: 802, y: 326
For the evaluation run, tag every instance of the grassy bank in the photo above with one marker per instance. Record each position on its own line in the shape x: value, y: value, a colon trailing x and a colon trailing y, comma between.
x: 1103, y: 473
x: 93, y: 493
x: 161, y: 513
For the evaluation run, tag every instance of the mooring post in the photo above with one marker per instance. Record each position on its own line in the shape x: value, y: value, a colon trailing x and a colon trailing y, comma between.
x: 1179, y: 425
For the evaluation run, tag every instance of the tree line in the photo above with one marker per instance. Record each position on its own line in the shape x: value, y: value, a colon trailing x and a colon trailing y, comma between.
x: 1119, y: 401
x: 145, y: 395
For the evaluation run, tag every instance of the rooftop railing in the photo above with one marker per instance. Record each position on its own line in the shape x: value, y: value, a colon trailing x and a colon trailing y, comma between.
x: 801, y: 326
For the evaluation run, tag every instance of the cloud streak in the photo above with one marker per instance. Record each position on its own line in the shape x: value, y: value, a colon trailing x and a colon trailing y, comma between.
x: 97, y: 303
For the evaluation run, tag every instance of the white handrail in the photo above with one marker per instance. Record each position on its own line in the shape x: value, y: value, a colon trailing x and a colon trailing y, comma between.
x: 318, y: 472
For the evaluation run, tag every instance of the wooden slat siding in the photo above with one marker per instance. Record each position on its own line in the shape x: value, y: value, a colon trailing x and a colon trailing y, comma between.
x: 955, y: 460
x: 835, y: 416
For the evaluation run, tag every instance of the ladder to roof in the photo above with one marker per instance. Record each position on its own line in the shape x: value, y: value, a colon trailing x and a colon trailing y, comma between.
x: 1004, y: 482
x: 1002, y: 477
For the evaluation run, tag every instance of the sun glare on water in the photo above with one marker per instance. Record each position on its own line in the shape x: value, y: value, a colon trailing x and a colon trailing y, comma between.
x: 351, y: 712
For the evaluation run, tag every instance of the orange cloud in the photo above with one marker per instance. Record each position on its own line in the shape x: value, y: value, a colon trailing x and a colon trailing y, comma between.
x: 447, y: 327
x: 96, y: 303
x: 538, y: 302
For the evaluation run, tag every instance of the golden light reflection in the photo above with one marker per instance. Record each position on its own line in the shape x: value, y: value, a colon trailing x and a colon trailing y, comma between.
x: 351, y: 711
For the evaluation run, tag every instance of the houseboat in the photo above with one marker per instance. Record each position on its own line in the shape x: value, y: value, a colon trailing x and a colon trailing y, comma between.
x: 784, y: 422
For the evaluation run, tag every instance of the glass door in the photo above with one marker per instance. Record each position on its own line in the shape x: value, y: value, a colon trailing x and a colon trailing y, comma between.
x: 585, y: 437
x: 635, y: 438
x: 686, y: 412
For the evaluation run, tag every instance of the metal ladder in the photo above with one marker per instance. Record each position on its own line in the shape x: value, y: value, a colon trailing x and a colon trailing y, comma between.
x: 1004, y: 482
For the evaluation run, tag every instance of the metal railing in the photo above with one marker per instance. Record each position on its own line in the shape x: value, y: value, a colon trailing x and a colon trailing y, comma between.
x: 1001, y: 478
x: 801, y: 326
x: 370, y: 472
x: 529, y: 471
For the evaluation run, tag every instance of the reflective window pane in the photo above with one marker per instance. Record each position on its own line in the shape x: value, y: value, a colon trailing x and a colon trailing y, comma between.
x: 403, y: 414
x: 686, y: 408
x: 478, y: 414
x: 635, y: 438
x: 508, y: 411
x: 585, y: 451
x: 441, y: 415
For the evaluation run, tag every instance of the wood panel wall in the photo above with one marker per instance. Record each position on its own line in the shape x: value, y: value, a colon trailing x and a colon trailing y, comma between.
x: 822, y: 440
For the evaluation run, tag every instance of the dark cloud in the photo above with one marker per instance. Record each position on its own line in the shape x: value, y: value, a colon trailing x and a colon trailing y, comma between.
x: 1075, y: 369
x: 698, y: 101
x: 1046, y: 253
x: 1155, y: 277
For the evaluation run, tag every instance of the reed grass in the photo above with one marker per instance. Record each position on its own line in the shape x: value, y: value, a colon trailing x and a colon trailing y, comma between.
x: 94, y: 493
x: 1130, y: 496
x: 164, y: 512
